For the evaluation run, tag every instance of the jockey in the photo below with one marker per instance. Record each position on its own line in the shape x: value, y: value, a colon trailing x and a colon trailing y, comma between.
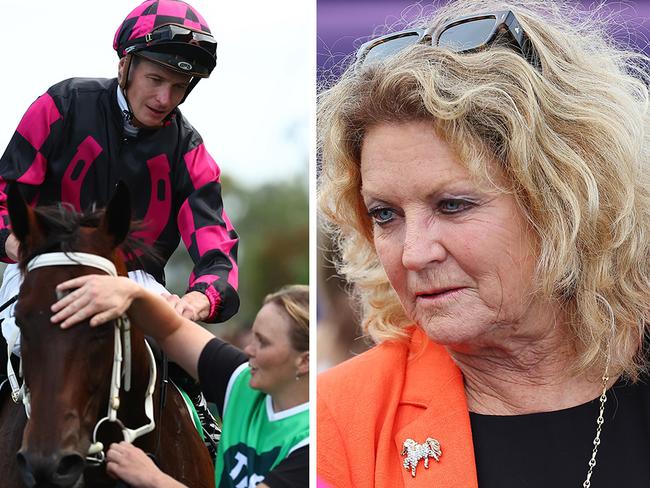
x: 83, y: 136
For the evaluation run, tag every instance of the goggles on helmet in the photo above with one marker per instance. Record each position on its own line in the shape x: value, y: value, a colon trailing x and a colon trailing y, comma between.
x: 176, y: 33
x: 180, y: 48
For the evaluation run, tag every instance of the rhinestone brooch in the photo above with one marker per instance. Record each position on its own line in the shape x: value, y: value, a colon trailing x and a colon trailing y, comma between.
x: 414, y: 452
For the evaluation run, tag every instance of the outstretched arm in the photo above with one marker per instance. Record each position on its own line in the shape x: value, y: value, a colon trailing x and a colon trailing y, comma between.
x: 209, y: 237
x: 194, y: 305
x: 99, y: 298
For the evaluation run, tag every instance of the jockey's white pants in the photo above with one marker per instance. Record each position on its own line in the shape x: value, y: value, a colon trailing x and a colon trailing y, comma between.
x: 12, y: 280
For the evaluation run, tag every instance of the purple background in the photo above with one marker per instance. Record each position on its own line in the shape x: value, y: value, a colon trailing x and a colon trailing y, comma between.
x: 344, y: 25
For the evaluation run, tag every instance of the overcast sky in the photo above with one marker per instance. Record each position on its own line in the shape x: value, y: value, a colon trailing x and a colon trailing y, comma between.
x: 253, y: 113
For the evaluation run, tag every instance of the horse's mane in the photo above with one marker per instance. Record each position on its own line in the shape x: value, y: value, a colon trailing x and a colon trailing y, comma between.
x: 61, y: 224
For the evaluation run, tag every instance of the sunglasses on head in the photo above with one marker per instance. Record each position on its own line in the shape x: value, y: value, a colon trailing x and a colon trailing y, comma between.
x: 176, y: 33
x: 465, y: 34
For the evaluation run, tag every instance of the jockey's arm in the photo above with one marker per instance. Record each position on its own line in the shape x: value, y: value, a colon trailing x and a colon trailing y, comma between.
x: 102, y: 298
x: 209, y: 236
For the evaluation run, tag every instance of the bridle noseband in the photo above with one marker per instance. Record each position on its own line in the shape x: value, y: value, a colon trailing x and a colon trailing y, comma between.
x: 121, y: 357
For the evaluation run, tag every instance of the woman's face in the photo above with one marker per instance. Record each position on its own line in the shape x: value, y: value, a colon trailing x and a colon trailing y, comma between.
x: 460, y: 256
x: 273, y: 360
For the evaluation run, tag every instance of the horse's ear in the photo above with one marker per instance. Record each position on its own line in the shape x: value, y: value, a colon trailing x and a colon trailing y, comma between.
x: 23, y: 218
x: 116, y: 221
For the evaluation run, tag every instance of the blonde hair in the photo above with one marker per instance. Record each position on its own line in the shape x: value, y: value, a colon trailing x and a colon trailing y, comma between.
x: 572, y: 142
x: 294, y: 301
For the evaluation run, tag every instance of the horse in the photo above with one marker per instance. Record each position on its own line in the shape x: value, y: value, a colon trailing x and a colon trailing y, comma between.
x: 70, y: 374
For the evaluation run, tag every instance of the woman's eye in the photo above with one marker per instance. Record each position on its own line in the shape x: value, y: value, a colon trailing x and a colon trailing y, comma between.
x: 454, y: 205
x: 381, y: 215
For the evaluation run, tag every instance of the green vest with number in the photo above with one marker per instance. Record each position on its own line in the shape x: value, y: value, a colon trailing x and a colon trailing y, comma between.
x: 255, y: 439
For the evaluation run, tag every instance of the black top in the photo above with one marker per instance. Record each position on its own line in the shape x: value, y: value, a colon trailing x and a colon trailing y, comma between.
x: 217, y: 363
x: 552, y: 449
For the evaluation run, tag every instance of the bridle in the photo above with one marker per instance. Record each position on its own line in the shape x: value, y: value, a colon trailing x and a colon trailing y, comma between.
x: 121, y: 358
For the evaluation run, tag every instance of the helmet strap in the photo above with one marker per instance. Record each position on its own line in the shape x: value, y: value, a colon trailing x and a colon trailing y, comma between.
x: 126, y: 69
x: 195, y: 81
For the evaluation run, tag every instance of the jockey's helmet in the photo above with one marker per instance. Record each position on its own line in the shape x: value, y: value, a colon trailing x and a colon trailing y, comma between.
x: 171, y: 33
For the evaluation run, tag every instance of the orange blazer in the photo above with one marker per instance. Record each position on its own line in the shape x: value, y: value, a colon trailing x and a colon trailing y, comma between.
x: 368, y: 406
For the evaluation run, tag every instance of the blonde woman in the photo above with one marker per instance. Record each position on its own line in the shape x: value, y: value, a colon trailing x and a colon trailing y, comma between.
x: 262, y: 393
x: 486, y: 176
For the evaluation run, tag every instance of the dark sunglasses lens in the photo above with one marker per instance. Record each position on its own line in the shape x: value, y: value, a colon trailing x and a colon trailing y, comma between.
x: 390, y: 46
x: 467, y: 35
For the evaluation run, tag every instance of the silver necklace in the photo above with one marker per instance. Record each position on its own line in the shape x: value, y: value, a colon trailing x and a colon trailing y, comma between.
x: 599, y: 427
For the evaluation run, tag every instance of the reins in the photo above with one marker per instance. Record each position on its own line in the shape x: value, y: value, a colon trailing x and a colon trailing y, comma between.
x: 8, y: 303
x: 121, y: 358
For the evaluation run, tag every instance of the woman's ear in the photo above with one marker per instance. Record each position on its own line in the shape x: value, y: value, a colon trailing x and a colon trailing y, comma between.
x: 302, y: 363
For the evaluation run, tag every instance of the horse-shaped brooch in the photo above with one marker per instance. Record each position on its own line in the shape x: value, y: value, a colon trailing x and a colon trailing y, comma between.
x: 414, y: 452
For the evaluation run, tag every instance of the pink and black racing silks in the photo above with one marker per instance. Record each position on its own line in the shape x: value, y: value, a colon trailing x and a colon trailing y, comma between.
x: 70, y: 147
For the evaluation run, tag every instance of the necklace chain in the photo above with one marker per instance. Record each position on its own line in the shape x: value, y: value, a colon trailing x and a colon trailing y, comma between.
x: 599, y: 427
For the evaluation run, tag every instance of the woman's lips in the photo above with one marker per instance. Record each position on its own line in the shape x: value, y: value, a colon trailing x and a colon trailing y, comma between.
x: 439, y: 295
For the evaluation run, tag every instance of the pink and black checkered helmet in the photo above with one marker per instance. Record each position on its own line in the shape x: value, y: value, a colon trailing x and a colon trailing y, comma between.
x: 171, y: 33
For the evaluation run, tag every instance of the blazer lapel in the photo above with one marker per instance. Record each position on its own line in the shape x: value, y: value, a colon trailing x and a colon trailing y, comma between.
x: 434, y: 383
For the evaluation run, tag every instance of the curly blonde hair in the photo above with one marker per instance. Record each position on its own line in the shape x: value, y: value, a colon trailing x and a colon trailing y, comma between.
x: 572, y: 141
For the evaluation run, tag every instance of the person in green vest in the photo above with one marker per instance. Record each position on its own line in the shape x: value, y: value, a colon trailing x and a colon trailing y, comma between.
x: 262, y: 393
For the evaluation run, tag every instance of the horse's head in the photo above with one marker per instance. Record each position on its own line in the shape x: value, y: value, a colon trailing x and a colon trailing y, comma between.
x: 65, y: 371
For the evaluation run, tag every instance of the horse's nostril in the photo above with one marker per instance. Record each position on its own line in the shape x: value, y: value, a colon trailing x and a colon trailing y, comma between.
x: 70, y: 465
x: 20, y: 459
x: 28, y: 477
x: 68, y: 470
x: 56, y: 470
